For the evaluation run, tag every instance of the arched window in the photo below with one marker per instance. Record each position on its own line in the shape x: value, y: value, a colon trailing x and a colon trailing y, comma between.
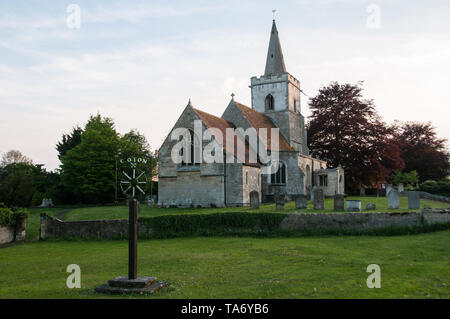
x: 279, y: 177
x: 189, y: 158
x: 269, y: 102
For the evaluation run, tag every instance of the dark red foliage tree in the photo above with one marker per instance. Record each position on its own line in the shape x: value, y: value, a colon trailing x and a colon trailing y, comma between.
x: 344, y: 129
x: 422, y: 150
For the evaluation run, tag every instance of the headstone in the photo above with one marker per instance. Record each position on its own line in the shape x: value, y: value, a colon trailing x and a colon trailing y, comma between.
x: 413, y: 200
x: 301, y: 202
x: 318, y: 199
x: 353, y: 205
x: 401, y: 188
x: 362, y: 191
x: 312, y: 193
x: 393, y: 199
x: 388, y: 189
x: 46, y: 202
x: 279, y: 201
x: 338, y: 202
x: 371, y: 206
x: 254, y: 199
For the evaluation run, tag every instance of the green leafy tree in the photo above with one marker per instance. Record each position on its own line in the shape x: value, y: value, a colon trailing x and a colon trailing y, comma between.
x: 16, y: 184
x: 88, y: 168
x: 405, y: 178
x: 69, y: 141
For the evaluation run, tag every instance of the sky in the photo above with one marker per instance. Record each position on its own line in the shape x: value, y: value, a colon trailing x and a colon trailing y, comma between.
x: 139, y: 62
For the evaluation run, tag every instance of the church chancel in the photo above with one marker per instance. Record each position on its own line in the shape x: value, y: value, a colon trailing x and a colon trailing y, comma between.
x: 275, y: 104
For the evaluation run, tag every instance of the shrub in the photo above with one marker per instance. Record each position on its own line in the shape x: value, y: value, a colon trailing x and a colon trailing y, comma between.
x: 12, y: 218
x: 441, y: 187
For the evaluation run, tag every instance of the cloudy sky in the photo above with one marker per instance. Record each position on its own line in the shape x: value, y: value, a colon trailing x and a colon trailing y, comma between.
x: 140, y: 61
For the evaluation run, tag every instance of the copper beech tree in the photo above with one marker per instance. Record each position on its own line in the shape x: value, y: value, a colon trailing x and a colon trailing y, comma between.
x: 345, y: 129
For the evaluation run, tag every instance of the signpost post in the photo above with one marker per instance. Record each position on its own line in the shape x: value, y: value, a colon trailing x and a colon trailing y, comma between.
x: 132, y: 283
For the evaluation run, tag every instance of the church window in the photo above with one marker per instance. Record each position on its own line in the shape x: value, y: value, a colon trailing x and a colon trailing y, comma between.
x: 323, y: 180
x: 246, y: 178
x: 279, y: 177
x: 189, y: 158
x: 269, y: 102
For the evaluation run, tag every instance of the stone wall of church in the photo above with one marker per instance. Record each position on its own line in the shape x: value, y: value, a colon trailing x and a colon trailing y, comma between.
x: 234, y: 184
x: 251, y: 181
x: 308, y: 165
x: 191, y: 189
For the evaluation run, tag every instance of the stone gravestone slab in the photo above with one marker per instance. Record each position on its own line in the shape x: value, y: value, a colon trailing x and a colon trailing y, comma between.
x: 388, y: 189
x: 254, y: 199
x: 353, y: 205
x: 301, y: 202
x: 318, y: 199
x: 401, y: 188
x: 279, y: 200
x: 338, y: 202
x: 312, y: 194
x: 362, y: 191
x: 371, y: 206
x: 393, y: 199
x: 413, y: 200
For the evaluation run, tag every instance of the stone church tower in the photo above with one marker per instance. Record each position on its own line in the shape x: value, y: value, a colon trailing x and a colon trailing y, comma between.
x: 277, y: 95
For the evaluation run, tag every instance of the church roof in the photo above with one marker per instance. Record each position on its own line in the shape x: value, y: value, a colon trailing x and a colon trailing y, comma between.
x: 212, y: 121
x: 258, y: 120
x: 275, y: 61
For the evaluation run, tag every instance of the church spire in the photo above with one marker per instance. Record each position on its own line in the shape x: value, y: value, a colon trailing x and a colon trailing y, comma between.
x: 275, y: 61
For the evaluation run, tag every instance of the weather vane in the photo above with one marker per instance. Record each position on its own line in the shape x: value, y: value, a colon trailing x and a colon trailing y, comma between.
x: 273, y: 12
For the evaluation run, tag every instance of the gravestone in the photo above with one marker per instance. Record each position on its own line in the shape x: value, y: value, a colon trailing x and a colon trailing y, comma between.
x: 388, y: 189
x: 371, y: 206
x: 312, y: 193
x: 301, y: 202
x: 318, y: 199
x: 46, y: 202
x: 338, y: 202
x: 401, y: 188
x: 393, y: 199
x: 413, y: 200
x: 353, y: 205
x: 362, y: 191
x: 254, y: 199
x: 279, y: 201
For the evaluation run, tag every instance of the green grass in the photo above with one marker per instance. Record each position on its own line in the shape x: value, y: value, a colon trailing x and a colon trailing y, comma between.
x: 33, y: 221
x: 228, y: 267
x: 121, y: 212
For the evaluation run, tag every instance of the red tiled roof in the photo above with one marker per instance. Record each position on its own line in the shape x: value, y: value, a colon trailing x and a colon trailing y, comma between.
x: 212, y: 121
x: 258, y: 121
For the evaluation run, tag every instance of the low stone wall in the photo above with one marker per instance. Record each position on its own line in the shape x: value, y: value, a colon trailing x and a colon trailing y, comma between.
x: 9, y: 234
x: 6, y: 235
x: 118, y: 229
x: 426, y: 195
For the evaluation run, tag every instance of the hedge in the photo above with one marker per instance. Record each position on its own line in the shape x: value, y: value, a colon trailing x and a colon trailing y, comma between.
x: 10, y: 218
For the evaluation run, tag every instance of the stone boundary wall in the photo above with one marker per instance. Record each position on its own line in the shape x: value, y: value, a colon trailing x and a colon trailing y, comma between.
x: 426, y: 195
x: 118, y: 229
x: 11, y: 234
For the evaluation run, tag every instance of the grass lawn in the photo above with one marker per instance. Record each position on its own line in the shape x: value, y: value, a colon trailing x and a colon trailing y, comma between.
x: 121, y: 212
x: 229, y: 267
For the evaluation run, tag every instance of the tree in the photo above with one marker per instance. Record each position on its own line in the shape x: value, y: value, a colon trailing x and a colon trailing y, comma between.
x: 344, y: 129
x: 69, y: 141
x: 405, y: 178
x: 88, y: 169
x: 14, y: 156
x: 422, y: 150
x: 16, y: 184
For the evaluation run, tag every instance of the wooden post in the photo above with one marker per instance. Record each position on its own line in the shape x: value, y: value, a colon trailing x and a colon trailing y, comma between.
x: 132, y: 239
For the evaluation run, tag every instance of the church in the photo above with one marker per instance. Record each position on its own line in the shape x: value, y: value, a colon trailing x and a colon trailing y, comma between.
x: 275, y: 104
